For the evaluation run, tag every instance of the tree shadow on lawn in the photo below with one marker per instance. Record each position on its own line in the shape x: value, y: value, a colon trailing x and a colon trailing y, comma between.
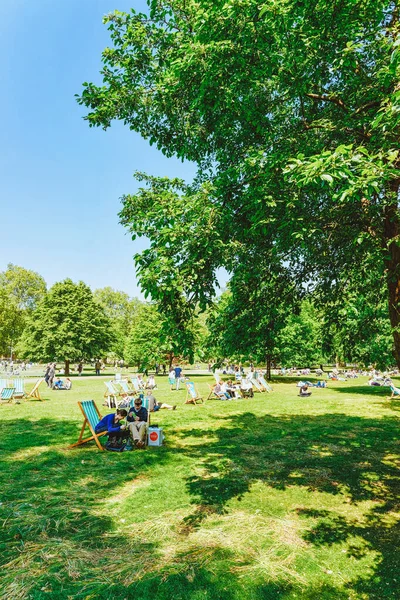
x: 332, y: 453
x: 366, y: 390
x: 56, y: 543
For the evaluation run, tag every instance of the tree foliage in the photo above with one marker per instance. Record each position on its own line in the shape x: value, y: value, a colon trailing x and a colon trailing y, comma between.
x: 121, y: 311
x: 20, y: 291
x: 67, y: 325
x: 291, y: 112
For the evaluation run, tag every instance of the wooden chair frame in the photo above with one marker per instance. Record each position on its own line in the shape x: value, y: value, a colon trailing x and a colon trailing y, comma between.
x: 7, y: 394
x: 189, y: 397
x: 95, y: 436
x: 34, y: 393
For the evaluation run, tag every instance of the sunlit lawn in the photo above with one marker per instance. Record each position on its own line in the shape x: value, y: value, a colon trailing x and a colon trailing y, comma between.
x: 276, y: 497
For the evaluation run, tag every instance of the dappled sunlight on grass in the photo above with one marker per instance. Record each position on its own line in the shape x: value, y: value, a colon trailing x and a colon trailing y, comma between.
x: 277, y: 497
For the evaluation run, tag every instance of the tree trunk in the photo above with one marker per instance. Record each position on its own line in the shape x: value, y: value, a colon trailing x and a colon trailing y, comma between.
x: 268, y: 360
x: 391, y: 242
x: 66, y: 367
x: 171, y: 358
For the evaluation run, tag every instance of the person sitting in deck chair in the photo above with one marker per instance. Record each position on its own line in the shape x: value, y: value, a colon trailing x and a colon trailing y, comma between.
x: 220, y: 392
x: 246, y: 387
x: 137, y: 423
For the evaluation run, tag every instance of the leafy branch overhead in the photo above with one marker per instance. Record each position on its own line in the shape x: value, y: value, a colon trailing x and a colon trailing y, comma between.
x: 291, y: 112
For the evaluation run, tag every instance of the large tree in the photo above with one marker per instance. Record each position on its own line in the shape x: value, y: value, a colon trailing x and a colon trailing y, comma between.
x: 291, y: 111
x: 67, y: 325
x: 20, y: 292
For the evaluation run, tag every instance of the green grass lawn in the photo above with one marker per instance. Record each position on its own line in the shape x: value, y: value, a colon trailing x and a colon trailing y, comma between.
x: 276, y: 497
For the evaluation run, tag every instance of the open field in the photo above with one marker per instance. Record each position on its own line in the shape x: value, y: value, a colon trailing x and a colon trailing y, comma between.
x: 276, y: 497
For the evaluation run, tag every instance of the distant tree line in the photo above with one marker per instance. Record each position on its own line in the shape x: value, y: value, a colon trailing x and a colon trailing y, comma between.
x: 264, y: 322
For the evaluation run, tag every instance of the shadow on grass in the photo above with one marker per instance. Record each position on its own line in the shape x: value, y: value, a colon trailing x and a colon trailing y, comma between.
x: 334, y: 453
x: 57, y: 542
x: 365, y: 390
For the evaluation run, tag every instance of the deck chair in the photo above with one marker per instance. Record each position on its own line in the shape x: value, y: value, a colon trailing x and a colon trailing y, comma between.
x: 395, y: 391
x: 135, y: 384
x: 7, y: 394
x: 257, y: 387
x: 3, y: 383
x: 34, y: 393
x: 19, y: 388
x: 126, y: 390
x: 192, y: 395
x: 91, y: 416
x: 264, y: 383
x: 113, y: 397
x: 220, y: 396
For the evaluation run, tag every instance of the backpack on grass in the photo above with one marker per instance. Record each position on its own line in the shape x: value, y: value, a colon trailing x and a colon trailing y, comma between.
x: 119, y: 443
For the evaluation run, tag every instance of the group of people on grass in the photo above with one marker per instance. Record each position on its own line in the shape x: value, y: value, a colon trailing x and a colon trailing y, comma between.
x: 136, y: 419
x: 53, y: 382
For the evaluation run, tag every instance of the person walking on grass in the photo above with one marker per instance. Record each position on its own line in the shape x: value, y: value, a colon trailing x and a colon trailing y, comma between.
x: 178, y: 374
x: 171, y: 378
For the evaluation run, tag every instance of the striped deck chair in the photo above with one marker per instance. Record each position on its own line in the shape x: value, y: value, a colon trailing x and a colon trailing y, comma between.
x: 135, y: 384
x: 219, y: 395
x: 19, y: 388
x: 256, y: 385
x: 34, y: 393
x: 395, y: 391
x: 91, y: 417
x: 3, y: 383
x: 192, y: 395
x: 264, y: 383
x: 7, y: 394
x: 112, y: 395
x: 126, y: 390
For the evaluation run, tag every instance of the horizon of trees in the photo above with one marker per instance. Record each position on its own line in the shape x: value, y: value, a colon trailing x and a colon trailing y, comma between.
x: 251, y: 321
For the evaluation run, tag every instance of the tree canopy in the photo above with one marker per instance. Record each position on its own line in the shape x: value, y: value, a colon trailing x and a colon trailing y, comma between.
x: 291, y: 112
x: 67, y: 325
x: 20, y: 291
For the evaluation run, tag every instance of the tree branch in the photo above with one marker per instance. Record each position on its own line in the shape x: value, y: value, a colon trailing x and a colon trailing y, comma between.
x: 332, y: 99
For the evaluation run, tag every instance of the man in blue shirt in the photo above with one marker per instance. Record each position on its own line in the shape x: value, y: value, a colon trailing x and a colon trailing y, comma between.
x: 137, y: 423
x: 178, y: 374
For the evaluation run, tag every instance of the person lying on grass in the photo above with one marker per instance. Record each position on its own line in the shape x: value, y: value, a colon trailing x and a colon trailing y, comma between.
x: 137, y: 421
x: 111, y: 423
x: 154, y: 406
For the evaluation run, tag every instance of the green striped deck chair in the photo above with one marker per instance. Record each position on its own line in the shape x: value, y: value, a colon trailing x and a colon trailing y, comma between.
x: 91, y: 416
x: 3, y: 383
x: 19, y: 388
x: 7, y: 394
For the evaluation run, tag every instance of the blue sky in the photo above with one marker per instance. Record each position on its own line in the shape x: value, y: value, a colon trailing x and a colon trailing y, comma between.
x: 60, y: 181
